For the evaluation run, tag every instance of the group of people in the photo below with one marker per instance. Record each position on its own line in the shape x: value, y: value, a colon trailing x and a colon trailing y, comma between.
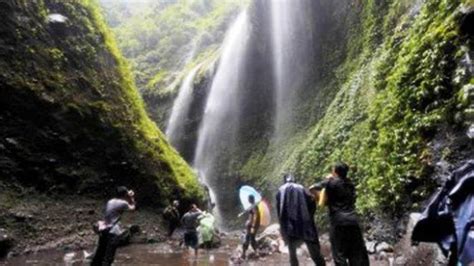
x: 112, y: 235
x: 295, y: 205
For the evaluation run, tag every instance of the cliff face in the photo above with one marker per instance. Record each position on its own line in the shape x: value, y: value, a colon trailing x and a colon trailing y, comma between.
x: 71, y: 118
x: 399, y: 113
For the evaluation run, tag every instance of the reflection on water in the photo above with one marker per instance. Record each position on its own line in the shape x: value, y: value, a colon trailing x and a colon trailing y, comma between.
x: 149, y: 254
x: 156, y: 254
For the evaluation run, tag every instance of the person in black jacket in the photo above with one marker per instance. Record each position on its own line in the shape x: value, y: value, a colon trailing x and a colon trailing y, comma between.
x: 347, y: 242
x: 295, y: 207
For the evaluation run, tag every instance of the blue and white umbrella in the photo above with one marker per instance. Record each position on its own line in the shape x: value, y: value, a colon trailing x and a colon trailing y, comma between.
x: 245, y: 192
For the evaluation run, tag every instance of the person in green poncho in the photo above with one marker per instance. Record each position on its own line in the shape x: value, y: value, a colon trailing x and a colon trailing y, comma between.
x: 206, y: 229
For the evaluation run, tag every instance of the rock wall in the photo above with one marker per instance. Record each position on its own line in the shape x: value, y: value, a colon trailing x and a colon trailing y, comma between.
x: 72, y: 119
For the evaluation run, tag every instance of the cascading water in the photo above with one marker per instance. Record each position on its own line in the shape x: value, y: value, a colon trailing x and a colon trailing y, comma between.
x: 291, y: 49
x: 220, y: 123
x: 180, y: 108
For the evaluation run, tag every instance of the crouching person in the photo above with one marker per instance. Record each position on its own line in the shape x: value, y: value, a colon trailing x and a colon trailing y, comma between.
x: 110, y: 232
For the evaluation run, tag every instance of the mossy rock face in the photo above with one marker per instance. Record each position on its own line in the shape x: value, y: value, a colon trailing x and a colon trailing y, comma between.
x: 396, y: 112
x: 72, y: 120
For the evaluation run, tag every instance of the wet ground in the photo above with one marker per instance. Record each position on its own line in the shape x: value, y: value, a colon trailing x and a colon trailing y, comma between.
x: 140, y: 254
x: 150, y: 254
x: 168, y: 253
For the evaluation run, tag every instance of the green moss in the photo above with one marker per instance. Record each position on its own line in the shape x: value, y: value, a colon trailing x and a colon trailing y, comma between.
x: 81, y: 83
x: 149, y: 139
x: 394, y: 99
x: 160, y: 37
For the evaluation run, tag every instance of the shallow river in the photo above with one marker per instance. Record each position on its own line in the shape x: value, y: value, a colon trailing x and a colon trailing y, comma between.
x: 150, y: 254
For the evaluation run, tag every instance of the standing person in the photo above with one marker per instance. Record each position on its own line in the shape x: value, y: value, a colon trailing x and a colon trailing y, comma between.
x: 207, y: 232
x: 109, y: 230
x: 347, y: 242
x: 295, y: 206
x: 171, y: 215
x: 251, y: 225
x: 190, y: 223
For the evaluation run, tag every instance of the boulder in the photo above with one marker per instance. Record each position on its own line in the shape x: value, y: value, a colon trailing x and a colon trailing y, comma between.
x: 272, y: 231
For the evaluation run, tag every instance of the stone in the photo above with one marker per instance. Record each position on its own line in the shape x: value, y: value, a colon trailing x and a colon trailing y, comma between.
x: 22, y: 216
x: 470, y: 132
x: 383, y: 247
x: 56, y: 18
x: 12, y: 141
x: 370, y: 245
x: 68, y: 257
x: 272, y: 231
x: 87, y: 255
x: 382, y: 256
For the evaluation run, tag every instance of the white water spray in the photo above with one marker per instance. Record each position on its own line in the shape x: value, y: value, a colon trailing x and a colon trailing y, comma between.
x: 180, y: 108
x: 217, y: 133
x: 291, y: 48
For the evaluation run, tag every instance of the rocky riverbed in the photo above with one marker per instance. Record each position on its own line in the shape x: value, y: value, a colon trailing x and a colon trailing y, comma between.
x: 148, y: 248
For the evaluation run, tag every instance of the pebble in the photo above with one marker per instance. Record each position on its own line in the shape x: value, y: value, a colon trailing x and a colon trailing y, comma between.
x: 383, y: 247
x: 56, y: 18
x: 69, y: 256
x: 370, y: 245
x: 12, y: 141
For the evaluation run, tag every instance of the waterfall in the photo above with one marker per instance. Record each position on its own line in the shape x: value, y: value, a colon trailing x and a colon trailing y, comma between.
x: 180, y: 108
x: 218, y: 129
x: 292, y: 45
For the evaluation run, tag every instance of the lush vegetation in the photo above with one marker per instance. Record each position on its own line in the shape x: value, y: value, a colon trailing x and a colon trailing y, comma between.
x: 399, y: 92
x: 161, y: 38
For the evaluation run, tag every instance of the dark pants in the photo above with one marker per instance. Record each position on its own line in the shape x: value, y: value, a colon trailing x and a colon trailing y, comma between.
x: 313, y: 248
x: 105, y: 252
x: 348, y: 246
x: 172, y: 225
x: 191, y: 239
x: 249, y: 240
